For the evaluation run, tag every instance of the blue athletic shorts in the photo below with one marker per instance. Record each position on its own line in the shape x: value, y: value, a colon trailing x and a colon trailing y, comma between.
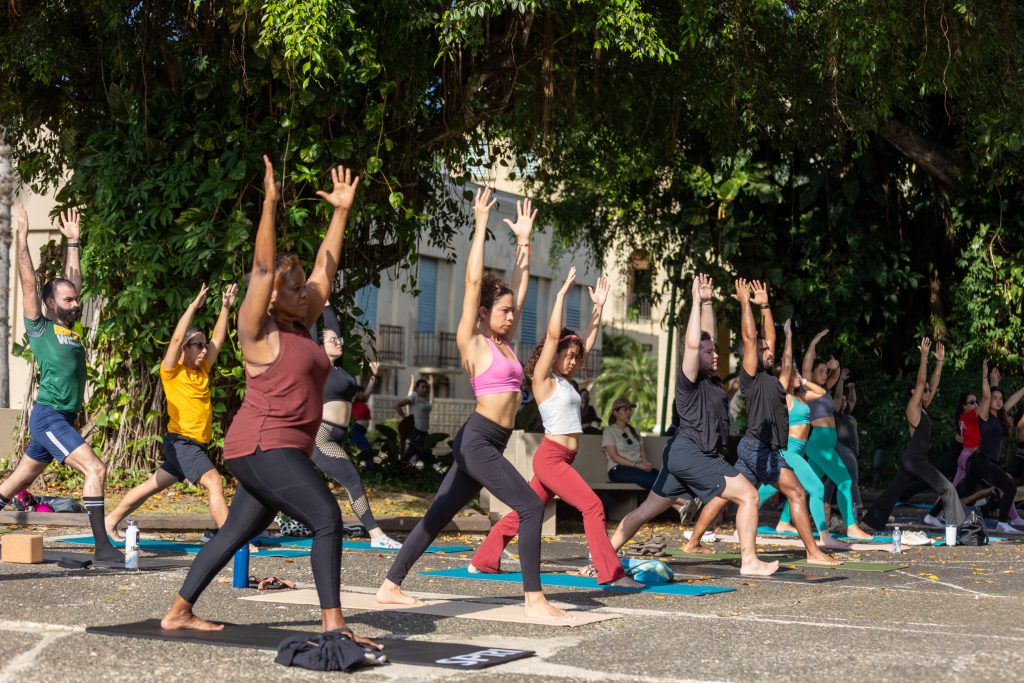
x: 759, y: 462
x: 54, y: 436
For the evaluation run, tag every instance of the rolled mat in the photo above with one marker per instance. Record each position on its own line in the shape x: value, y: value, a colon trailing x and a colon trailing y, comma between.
x: 306, y: 542
x: 573, y: 581
x: 415, y: 652
x: 180, y: 547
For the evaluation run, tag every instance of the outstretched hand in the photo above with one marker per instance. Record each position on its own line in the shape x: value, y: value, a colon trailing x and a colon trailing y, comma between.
x: 994, y: 376
x: 570, y: 280
x: 599, y: 293
x: 482, y: 204
x: 703, y: 289
x: 227, y: 298
x: 21, y: 221
x: 760, y: 292
x: 844, y: 374
x: 343, y: 191
x: 523, y: 227
x: 940, y: 352
x: 69, y: 224
x: 742, y: 291
x: 271, y: 188
x: 200, y: 299
x: 787, y: 327
x: 925, y: 347
x: 821, y: 335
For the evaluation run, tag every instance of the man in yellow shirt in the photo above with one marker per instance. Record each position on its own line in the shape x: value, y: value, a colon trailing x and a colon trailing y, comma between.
x: 185, y: 375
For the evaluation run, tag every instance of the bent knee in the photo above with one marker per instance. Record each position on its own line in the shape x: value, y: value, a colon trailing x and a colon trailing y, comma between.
x: 530, y: 510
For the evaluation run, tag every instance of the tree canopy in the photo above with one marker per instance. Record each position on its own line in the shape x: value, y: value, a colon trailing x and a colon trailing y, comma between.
x: 863, y: 157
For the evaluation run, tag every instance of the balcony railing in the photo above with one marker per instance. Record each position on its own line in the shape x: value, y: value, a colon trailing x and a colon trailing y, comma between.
x: 389, y: 343
x: 436, y: 350
x: 595, y: 361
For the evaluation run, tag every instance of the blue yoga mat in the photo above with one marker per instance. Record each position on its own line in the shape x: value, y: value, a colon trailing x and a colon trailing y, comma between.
x: 571, y: 581
x: 919, y: 506
x: 306, y: 542
x: 158, y: 546
x: 771, y: 532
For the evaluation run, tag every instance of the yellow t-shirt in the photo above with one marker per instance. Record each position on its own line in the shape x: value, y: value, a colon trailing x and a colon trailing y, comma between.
x: 188, y: 401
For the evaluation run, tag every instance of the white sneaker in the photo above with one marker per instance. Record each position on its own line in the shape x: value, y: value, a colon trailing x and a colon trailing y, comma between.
x: 706, y: 537
x: 915, y: 538
x: 935, y: 522
x: 385, y: 542
x: 1004, y: 528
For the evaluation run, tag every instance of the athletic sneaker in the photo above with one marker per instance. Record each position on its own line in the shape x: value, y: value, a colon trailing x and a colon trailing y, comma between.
x: 1019, y: 522
x: 1004, y: 528
x: 208, y: 535
x: 933, y: 521
x: 706, y: 537
x: 385, y: 542
x: 915, y: 538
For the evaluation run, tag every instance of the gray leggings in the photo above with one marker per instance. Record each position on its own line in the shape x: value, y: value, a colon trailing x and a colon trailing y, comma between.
x: 330, y: 458
x: 849, y: 459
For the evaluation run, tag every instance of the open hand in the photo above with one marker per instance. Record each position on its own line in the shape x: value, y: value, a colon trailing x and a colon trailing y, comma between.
x: 200, y: 299
x: 69, y: 225
x: 994, y: 377
x: 926, y: 346
x: 227, y: 298
x: 742, y: 291
x: 271, y: 188
x: 21, y: 221
x: 821, y: 335
x: 787, y: 327
x: 523, y: 227
x: 482, y: 204
x: 599, y: 293
x: 844, y: 374
x: 570, y: 280
x: 940, y: 352
x: 760, y: 293
x: 343, y: 191
x: 702, y: 288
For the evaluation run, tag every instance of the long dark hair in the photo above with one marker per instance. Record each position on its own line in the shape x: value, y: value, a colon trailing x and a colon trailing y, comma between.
x: 566, y: 338
x: 960, y: 408
x: 1001, y: 414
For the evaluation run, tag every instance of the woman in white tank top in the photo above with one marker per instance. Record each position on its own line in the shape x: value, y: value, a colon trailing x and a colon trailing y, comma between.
x: 550, y: 369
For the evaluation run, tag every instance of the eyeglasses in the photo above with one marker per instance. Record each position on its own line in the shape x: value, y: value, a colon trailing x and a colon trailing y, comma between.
x: 196, y: 344
x: 971, y: 402
x: 332, y: 340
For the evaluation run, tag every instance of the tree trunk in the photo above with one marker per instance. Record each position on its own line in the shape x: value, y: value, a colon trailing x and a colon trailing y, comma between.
x: 6, y: 190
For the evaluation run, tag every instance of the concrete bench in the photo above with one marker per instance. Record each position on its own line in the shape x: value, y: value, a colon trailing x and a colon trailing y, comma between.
x: 591, y: 463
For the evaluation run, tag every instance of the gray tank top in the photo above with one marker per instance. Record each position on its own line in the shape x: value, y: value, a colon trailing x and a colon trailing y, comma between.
x: 822, y: 407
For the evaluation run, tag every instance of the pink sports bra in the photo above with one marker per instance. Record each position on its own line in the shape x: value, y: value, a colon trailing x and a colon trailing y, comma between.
x: 501, y: 376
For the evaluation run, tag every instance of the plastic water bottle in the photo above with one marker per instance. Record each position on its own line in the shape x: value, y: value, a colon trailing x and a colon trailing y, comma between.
x: 240, y: 573
x: 131, y: 546
x: 897, y: 541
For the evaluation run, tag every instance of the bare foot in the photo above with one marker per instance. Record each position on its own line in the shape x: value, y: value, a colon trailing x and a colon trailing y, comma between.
x: 758, y: 568
x: 692, y: 547
x: 854, y: 531
x: 112, y: 530
x: 545, y: 610
x: 784, y: 528
x: 826, y: 540
x: 822, y: 559
x: 175, y: 620
x: 391, y: 594
x: 625, y: 582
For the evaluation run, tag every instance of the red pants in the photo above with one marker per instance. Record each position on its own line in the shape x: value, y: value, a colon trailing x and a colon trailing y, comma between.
x: 553, y: 475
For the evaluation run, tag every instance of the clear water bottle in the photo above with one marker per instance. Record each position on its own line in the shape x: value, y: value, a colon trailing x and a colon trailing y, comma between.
x: 897, y: 541
x: 131, y: 546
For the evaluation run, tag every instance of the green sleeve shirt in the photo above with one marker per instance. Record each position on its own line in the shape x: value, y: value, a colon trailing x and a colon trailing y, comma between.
x: 60, y: 356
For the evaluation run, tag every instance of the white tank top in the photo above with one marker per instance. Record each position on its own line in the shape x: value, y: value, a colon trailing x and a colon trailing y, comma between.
x: 561, y: 412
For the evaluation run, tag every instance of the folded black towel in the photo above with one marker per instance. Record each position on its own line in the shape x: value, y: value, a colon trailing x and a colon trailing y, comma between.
x: 331, y: 651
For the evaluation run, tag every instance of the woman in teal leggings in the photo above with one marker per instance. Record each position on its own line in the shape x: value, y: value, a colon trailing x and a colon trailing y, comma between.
x: 799, y: 391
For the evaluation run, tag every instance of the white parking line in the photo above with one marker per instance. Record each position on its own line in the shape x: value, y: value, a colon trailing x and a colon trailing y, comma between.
x: 48, y: 633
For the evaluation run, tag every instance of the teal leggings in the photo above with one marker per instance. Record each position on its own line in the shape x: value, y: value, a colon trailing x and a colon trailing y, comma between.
x: 809, y: 479
x: 821, y: 454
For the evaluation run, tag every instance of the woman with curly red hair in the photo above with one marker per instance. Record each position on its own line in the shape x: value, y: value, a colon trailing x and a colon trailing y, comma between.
x: 550, y: 370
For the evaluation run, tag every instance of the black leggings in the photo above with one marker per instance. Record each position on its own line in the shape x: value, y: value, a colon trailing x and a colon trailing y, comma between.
x: 281, y: 479
x: 479, y: 463
x: 981, y: 467
x: 330, y: 457
x: 914, y: 465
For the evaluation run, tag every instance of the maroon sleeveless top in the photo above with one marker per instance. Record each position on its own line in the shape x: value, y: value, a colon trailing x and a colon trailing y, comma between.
x: 282, y: 406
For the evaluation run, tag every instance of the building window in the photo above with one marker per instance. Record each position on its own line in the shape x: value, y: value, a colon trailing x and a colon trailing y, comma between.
x: 640, y: 288
x: 366, y: 301
x: 528, y: 318
x: 426, y: 304
x: 572, y: 308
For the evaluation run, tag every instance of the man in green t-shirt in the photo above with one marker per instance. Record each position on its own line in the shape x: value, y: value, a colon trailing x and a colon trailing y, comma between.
x: 59, y: 353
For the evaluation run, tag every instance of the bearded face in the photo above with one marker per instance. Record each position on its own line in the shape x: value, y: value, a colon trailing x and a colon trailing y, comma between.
x: 64, y: 305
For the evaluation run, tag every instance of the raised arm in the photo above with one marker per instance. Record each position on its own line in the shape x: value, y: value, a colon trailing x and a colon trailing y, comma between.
x: 26, y: 271
x: 550, y: 349
x: 748, y: 328
x: 598, y: 295
x: 811, y: 353
x: 1013, y: 400
x: 707, y: 317
x: 220, y: 329
x: 760, y: 299
x: 702, y: 292
x: 482, y: 204
x: 178, y: 336
x: 69, y: 226
x: 914, y: 405
x: 837, y: 399
x: 851, y: 396
x: 833, y: 372
x: 986, y: 393
x: 252, y: 314
x: 341, y: 197
x: 522, y: 229
x: 786, y: 374
x: 933, y: 384
x: 812, y: 391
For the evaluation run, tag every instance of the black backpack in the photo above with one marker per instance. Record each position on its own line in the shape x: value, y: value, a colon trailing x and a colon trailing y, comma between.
x: 972, y: 531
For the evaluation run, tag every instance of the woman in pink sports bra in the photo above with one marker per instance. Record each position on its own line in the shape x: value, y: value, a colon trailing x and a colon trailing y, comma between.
x: 488, y: 320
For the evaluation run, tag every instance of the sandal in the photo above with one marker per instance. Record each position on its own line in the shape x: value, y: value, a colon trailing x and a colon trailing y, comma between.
x: 271, y: 583
x: 588, y: 572
x: 652, y: 547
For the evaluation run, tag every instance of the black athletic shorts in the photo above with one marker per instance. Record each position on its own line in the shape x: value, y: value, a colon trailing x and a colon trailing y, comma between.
x: 687, y: 471
x: 185, y: 458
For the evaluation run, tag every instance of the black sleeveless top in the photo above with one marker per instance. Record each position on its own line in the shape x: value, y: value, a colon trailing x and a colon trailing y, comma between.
x: 340, y: 386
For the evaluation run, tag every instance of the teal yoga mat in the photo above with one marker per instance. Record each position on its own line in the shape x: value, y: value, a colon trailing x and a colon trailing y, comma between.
x: 771, y: 532
x: 158, y: 546
x: 306, y: 542
x: 571, y: 581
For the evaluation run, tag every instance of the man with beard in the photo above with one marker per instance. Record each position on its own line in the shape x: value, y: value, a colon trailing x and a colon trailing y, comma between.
x: 759, y: 454
x: 59, y: 353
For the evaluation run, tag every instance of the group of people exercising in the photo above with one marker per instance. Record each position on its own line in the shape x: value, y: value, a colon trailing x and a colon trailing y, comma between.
x: 294, y: 417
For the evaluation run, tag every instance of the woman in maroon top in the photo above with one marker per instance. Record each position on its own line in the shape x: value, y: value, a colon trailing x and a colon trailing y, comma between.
x: 269, y: 443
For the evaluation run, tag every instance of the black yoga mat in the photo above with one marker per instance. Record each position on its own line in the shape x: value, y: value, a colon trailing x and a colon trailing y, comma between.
x: 417, y: 652
x: 145, y: 563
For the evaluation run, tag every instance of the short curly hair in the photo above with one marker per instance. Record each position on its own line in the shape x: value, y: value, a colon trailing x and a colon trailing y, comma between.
x: 566, y: 339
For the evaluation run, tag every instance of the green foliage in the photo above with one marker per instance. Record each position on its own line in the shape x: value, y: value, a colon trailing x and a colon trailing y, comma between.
x: 627, y: 372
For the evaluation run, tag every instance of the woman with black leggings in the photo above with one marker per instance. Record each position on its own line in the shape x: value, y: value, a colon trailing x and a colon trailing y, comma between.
x: 268, y: 445
x: 488, y: 321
